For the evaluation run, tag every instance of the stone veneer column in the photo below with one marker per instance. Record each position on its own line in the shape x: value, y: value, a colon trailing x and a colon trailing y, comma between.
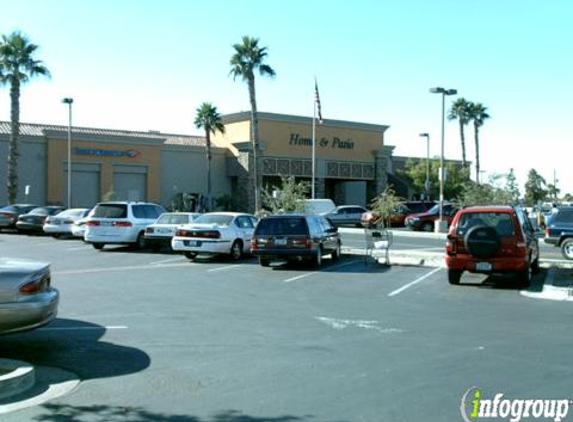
x: 319, y: 188
x: 382, y: 161
x: 246, y: 192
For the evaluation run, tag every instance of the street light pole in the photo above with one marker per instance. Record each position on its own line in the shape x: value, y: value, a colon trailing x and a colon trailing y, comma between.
x: 441, y: 227
x: 69, y: 102
x: 427, y: 184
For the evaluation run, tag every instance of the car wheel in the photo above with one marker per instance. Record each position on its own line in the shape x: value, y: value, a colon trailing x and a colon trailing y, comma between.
x: 535, y: 266
x: 427, y: 227
x: 237, y: 250
x: 318, y: 258
x: 264, y: 262
x: 98, y: 246
x: 140, y: 242
x: 336, y: 253
x: 190, y: 255
x: 526, y: 276
x: 567, y: 249
x: 454, y: 276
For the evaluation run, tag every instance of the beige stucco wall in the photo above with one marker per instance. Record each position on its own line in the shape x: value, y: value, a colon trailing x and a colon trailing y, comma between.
x: 279, y: 138
x: 332, y: 142
x: 149, y: 156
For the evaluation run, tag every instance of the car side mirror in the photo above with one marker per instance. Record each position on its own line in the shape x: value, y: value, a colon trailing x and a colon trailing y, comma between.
x: 332, y: 230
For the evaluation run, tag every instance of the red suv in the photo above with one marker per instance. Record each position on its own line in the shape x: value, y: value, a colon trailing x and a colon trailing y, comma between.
x: 492, y: 240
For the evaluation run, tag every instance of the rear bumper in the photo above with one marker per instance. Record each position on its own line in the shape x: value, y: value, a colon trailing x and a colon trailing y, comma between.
x: 57, y: 228
x: 285, y: 253
x: 469, y: 263
x: 29, y: 314
x: 29, y: 227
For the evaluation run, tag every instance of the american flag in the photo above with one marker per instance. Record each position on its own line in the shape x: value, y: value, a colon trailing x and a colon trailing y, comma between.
x: 317, y: 101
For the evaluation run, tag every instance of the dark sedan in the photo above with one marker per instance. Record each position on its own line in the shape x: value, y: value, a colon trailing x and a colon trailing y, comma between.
x: 10, y: 213
x: 35, y: 219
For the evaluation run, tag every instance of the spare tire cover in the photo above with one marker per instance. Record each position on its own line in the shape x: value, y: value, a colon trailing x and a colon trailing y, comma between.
x: 482, y: 241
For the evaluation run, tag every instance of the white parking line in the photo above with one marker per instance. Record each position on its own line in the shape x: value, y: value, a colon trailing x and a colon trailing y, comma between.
x: 226, y: 267
x: 164, y: 261
x: 124, y: 268
x: 298, y: 277
x: 79, y: 248
x: 407, y: 286
x: 111, y: 327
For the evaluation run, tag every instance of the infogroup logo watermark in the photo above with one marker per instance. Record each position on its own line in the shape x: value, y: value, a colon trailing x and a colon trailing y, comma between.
x: 475, y: 407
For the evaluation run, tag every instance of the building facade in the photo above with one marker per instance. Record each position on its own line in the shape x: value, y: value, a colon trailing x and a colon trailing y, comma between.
x: 352, y: 162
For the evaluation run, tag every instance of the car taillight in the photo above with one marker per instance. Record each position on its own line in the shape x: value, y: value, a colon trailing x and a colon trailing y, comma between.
x: 92, y: 223
x: 210, y: 234
x: 122, y: 224
x: 546, y: 230
x: 181, y: 233
x: 149, y: 230
x: 254, y: 244
x: 36, y: 286
x: 48, y: 220
x: 451, y: 245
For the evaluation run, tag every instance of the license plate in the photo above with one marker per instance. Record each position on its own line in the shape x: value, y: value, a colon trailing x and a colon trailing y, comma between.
x: 483, y: 266
x: 280, y: 242
x: 192, y: 243
x: 163, y: 231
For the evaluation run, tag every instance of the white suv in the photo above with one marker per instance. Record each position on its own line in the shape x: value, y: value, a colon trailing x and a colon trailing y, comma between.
x: 120, y: 223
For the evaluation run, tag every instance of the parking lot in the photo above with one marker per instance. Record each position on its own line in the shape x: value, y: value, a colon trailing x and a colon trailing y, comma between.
x: 156, y: 337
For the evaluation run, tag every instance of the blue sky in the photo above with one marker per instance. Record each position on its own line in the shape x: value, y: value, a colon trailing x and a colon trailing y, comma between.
x: 147, y: 65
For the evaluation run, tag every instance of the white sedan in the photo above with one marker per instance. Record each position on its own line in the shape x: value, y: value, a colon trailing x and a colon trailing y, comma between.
x: 162, y: 231
x: 216, y: 233
x: 62, y: 223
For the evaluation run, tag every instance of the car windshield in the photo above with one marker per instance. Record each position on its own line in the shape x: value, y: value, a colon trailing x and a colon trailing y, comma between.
x: 218, y: 219
x: 282, y: 226
x: 70, y: 213
x: 434, y: 210
x: 40, y: 211
x: 173, y: 219
x: 110, y: 211
x: 10, y: 208
x: 500, y: 221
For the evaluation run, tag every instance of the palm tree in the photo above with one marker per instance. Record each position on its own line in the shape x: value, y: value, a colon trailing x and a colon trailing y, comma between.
x: 460, y: 111
x: 248, y: 58
x: 209, y: 119
x: 17, y: 66
x: 478, y: 114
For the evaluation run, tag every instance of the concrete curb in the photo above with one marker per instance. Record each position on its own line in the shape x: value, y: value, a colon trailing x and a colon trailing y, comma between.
x: 16, y: 377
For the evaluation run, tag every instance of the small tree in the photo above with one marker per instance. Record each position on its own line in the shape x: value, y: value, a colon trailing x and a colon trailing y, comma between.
x: 511, y: 186
x: 535, y: 190
x: 484, y: 194
x: 291, y: 196
x: 385, y: 204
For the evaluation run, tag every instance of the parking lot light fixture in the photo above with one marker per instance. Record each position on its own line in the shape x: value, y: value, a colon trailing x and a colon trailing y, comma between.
x: 69, y: 102
x: 427, y: 183
x: 441, y: 225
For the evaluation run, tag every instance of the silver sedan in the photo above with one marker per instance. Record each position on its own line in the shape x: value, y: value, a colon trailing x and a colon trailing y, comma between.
x: 27, y: 299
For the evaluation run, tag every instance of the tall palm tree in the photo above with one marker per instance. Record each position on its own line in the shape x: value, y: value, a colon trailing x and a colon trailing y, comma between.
x: 477, y: 114
x: 17, y: 66
x: 248, y: 58
x: 460, y: 111
x: 209, y: 119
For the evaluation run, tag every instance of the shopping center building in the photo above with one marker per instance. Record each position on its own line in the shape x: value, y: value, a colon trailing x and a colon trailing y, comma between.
x: 352, y: 162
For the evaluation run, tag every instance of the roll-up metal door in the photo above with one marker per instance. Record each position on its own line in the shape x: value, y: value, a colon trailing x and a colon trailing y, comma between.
x: 130, y: 183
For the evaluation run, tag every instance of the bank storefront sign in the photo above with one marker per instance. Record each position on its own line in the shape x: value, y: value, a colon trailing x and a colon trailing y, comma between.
x: 98, y: 152
x: 337, y: 143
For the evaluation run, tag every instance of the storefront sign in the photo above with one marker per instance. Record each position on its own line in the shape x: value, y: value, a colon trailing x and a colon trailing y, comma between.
x: 131, y: 153
x: 296, y: 139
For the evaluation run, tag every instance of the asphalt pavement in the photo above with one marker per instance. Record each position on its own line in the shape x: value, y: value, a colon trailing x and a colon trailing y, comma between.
x: 155, y: 337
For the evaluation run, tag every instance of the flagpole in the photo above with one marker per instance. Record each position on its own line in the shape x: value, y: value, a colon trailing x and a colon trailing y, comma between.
x: 313, y: 148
